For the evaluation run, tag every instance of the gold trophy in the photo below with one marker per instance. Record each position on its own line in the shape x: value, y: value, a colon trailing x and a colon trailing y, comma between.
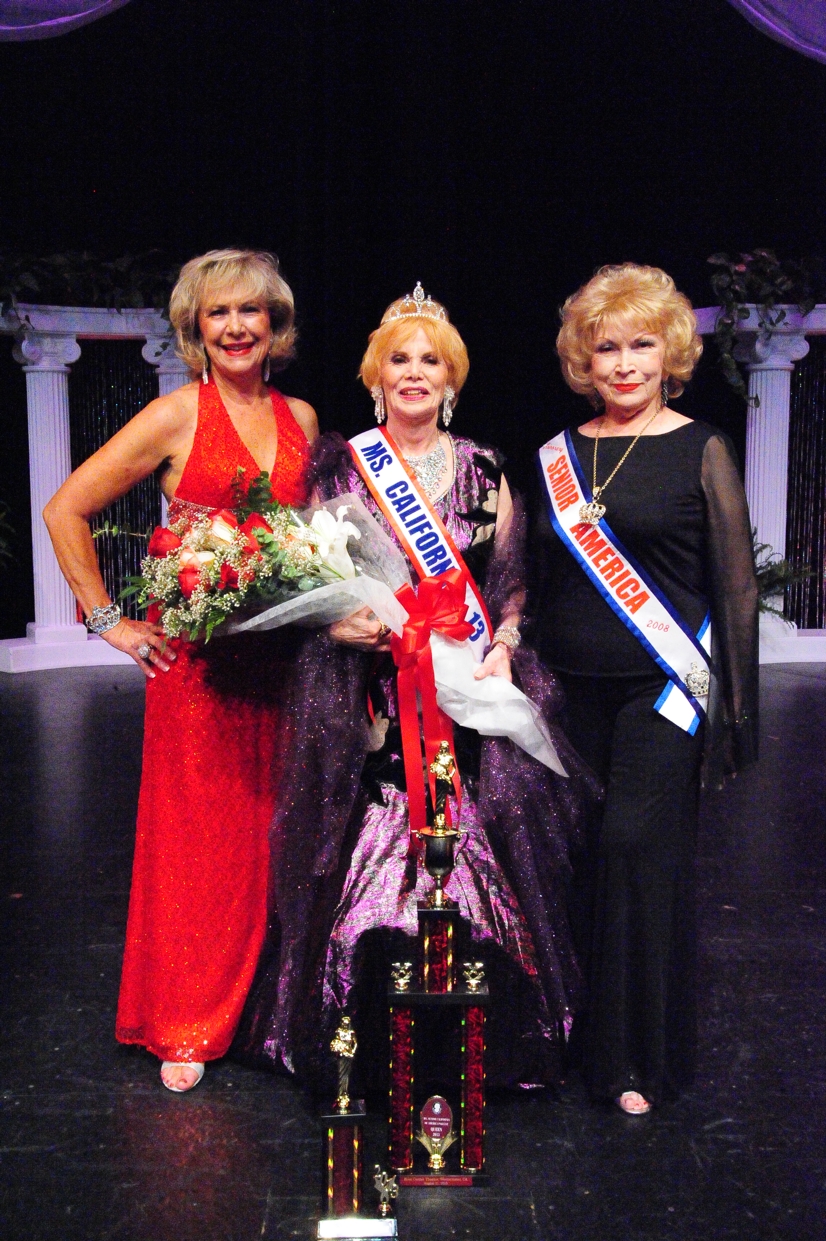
x: 387, y: 1189
x: 437, y: 1132
x: 344, y: 1046
x: 440, y: 839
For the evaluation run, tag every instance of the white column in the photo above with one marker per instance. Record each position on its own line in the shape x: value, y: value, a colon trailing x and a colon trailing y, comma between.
x: 770, y: 360
x: 46, y: 359
x: 159, y: 351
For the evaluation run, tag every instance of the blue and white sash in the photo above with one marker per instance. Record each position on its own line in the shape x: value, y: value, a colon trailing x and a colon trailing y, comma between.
x: 416, y: 523
x: 626, y: 587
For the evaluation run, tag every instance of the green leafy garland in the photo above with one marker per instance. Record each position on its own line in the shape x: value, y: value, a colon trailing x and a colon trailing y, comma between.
x: 761, y: 279
x: 80, y: 278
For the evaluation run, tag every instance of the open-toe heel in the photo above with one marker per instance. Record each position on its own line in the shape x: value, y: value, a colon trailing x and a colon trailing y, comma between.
x: 632, y: 1103
x: 196, y: 1067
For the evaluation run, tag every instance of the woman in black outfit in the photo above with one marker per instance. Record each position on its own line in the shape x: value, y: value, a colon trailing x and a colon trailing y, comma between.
x: 668, y: 495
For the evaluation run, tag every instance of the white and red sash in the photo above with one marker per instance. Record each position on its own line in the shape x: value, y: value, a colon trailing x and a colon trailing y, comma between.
x: 416, y: 524
x: 627, y: 589
x: 448, y: 601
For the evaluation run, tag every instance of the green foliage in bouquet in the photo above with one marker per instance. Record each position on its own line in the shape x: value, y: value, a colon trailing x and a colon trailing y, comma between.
x: 200, y: 570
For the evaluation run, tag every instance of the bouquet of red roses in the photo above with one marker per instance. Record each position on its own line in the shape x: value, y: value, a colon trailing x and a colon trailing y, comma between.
x: 241, y: 563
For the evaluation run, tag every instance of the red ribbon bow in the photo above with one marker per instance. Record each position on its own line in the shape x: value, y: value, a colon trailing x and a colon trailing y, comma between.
x: 438, y: 605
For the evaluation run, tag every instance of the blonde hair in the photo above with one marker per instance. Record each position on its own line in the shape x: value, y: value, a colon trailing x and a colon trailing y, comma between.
x: 256, y: 273
x: 628, y: 294
x: 393, y: 333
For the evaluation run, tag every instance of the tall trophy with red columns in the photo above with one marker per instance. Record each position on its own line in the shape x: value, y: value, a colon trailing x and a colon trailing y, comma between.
x: 433, y: 983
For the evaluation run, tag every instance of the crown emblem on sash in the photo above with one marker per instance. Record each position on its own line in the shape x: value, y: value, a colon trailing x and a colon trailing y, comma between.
x: 697, y: 681
x: 415, y: 305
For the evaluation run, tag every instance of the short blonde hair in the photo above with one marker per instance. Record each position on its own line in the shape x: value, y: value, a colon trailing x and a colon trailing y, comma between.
x: 393, y: 333
x: 253, y: 271
x: 628, y: 294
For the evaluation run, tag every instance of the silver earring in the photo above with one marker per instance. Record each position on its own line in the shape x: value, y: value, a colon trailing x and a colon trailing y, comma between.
x: 267, y: 370
x: 377, y: 394
x: 665, y: 392
x: 447, y: 407
x: 205, y: 371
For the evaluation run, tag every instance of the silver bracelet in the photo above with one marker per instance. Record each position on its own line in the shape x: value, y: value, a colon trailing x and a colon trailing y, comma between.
x: 508, y: 636
x: 101, y: 620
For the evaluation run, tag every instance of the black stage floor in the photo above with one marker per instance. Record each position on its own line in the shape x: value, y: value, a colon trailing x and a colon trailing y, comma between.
x: 93, y: 1147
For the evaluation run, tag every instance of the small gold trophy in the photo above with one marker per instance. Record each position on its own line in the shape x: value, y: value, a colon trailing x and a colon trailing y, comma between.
x: 473, y: 973
x: 437, y: 1132
x: 387, y: 1189
x: 401, y: 973
x: 344, y: 1046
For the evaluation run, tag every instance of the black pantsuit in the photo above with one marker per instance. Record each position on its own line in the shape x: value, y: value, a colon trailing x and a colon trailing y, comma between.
x: 632, y: 896
x: 677, y: 504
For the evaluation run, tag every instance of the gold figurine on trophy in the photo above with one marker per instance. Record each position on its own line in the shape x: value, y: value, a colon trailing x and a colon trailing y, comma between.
x: 344, y: 1046
x: 439, y: 838
x: 387, y: 1189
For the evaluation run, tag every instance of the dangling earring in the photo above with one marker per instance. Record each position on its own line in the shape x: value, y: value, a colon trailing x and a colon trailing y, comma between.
x: 665, y: 392
x: 377, y: 393
x: 205, y: 371
x: 447, y: 407
x: 266, y: 373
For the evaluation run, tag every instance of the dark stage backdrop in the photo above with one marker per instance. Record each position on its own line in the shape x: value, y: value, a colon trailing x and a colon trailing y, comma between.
x: 498, y: 152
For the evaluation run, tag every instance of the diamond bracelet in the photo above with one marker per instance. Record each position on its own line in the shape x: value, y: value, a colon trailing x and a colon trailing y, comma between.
x: 509, y: 636
x: 100, y: 620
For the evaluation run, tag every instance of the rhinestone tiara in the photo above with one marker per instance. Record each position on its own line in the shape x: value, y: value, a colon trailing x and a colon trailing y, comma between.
x: 415, y: 305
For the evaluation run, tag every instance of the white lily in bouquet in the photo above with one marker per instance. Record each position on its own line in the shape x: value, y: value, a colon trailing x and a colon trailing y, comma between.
x: 263, y: 564
x: 328, y: 536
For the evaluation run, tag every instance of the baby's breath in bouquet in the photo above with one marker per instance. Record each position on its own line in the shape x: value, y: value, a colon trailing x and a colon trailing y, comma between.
x: 201, y: 570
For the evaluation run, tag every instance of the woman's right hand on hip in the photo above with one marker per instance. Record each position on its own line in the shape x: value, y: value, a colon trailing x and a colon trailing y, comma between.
x: 147, y: 644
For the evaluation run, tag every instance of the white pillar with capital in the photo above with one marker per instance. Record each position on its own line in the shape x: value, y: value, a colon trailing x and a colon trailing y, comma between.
x: 159, y: 351
x: 769, y: 359
x: 46, y: 358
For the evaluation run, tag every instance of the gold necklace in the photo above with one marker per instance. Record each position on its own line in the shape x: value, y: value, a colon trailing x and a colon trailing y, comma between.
x: 594, y: 512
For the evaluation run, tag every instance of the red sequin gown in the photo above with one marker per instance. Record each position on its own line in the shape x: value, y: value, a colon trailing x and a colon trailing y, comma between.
x: 198, y: 906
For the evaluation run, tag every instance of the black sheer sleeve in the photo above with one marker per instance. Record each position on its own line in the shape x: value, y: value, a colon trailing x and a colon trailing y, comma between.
x: 731, y: 738
x: 505, y: 578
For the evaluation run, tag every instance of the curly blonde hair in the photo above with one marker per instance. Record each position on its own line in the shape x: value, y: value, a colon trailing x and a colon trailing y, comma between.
x: 629, y: 294
x: 256, y: 274
x: 393, y: 333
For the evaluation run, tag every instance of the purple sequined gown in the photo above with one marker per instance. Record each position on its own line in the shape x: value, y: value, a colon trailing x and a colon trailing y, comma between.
x: 344, y: 890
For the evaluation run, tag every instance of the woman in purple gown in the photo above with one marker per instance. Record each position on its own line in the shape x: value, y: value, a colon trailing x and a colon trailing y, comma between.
x: 345, y: 888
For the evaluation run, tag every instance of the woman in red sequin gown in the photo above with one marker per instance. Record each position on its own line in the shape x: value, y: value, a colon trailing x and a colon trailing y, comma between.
x: 198, y: 906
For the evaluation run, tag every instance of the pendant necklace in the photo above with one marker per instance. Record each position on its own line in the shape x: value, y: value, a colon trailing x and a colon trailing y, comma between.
x: 429, y: 469
x: 594, y: 512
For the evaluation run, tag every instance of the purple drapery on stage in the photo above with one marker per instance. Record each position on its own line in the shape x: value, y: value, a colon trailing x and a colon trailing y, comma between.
x: 799, y: 24
x: 43, y: 19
